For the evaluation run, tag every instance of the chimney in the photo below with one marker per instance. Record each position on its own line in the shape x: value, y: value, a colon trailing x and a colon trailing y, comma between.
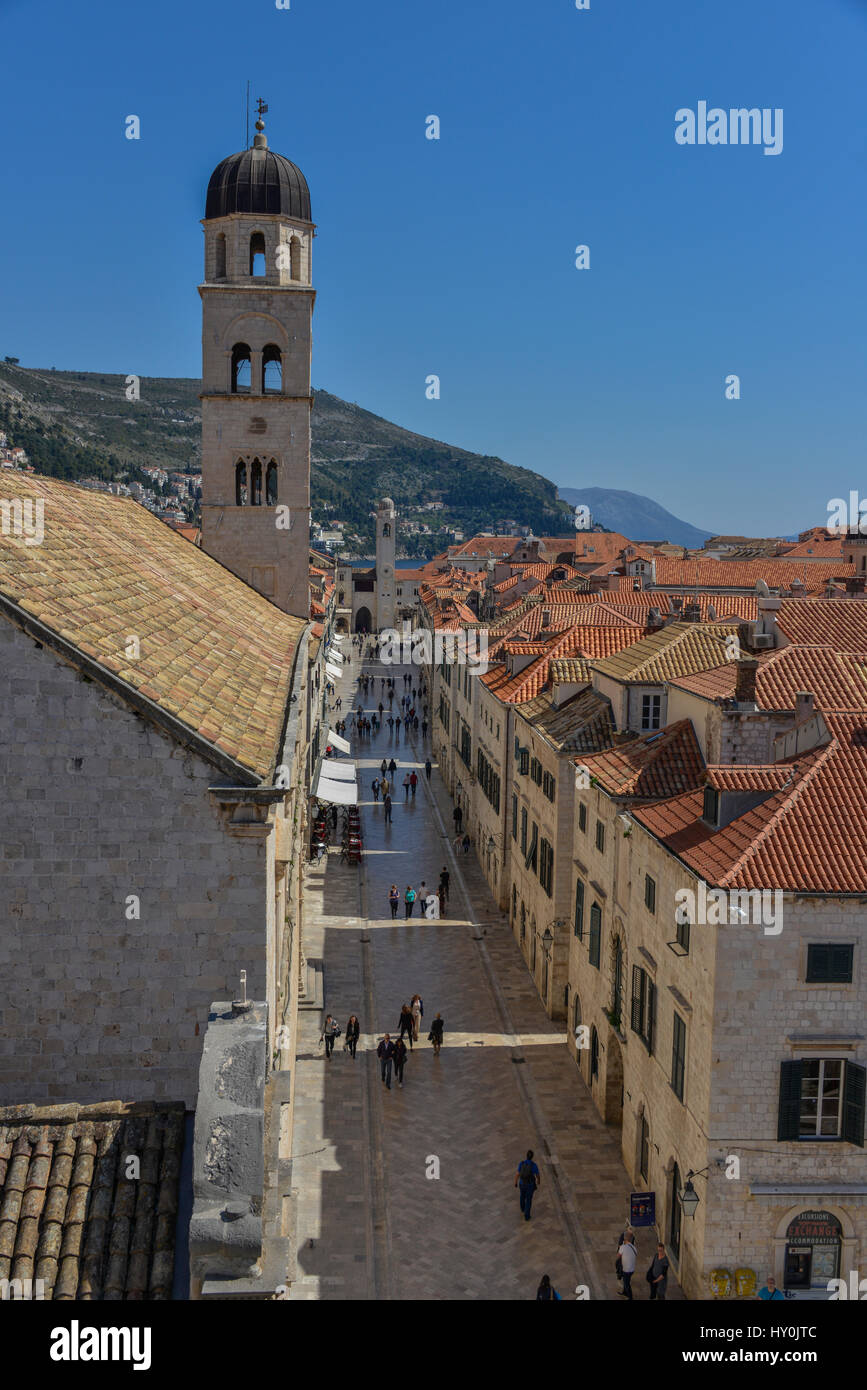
x: 856, y: 585
x: 692, y: 612
x: 745, y: 685
x: 803, y: 705
x: 655, y: 621
x: 613, y: 581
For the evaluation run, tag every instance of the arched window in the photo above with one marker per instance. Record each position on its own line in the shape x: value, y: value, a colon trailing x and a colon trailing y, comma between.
x: 257, y: 253
x: 295, y: 258
x: 241, y: 484
x: 220, y: 270
x: 594, y: 1052
x: 386, y: 529
x: 617, y: 979
x: 675, y: 1213
x: 576, y: 1014
x: 241, y: 368
x: 272, y: 369
x: 271, y: 485
x: 256, y: 483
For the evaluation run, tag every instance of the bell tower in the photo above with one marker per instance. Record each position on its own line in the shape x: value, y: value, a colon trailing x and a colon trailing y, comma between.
x: 385, y: 551
x: 257, y: 310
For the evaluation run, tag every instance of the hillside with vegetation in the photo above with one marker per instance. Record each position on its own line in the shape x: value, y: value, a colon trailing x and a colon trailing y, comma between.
x: 76, y: 425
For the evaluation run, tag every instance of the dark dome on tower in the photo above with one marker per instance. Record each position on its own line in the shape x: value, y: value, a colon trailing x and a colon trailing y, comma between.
x: 259, y: 181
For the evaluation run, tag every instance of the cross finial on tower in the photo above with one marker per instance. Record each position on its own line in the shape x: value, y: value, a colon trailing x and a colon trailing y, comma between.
x: 260, y: 140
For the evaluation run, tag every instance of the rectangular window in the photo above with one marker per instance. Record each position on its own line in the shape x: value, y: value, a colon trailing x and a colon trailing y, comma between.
x: 546, y: 867
x: 678, y: 1056
x: 514, y: 817
x: 643, y: 1006
x: 582, y: 817
x: 682, y: 936
x: 829, y: 964
x: 523, y: 830
x: 579, y: 910
x: 600, y: 837
x: 649, y: 893
x: 531, y: 858
x: 549, y: 786
x: 650, y: 711
x: 536, y: 771
x: 595, y: 943
x: 822, y: 1098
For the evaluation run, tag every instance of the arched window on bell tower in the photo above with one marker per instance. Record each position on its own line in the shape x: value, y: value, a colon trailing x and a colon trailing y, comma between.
x: 272, y: 370
x: 271, y: 485
x: 241, y: 369
x: 257, y: 254
x: 295, y: 258
x: 256, y: 483
x: 220, y: 265
x: 386, y: 529
x: 240, y: 483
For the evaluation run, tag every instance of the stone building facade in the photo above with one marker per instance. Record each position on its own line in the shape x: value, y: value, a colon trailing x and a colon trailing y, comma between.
x: 367, y: 599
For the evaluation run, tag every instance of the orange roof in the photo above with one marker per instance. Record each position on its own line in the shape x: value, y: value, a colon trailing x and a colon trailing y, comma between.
x: 833, y: 622
x: 745, y: 574
x: 660, y: 764
x: 838, y: 680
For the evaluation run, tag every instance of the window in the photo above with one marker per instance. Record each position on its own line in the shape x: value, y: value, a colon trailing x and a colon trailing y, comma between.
x: 649, y: 893
x: 546, y: 867
x: 582, y: 817
x: 595, y: 942
x: 523, y: 920
x: 240, y: 484
x: 272, y: 370
x: 822, y: 1098
x: 643, y: 1006
x: 295, y: 258
x: 594, y: 1052
x: 271, y: 484
x: 617, y: 981
x: 678, y: 1056
x: 523, y: 830
x: 536, y: 771
x: 514, y: 817
x: 710, y: 810
x: 650, y: 709
x: 386, y: 530
x: 675, y: 1213
x: 600, y: 837
x: 257, y: 254
x: 549, y: 786
x: 681, y: 934
x: 241, y: 369
x: 829, y: 964
x: 489, y: 780
x: 220, y: 245
x: 578, y: 923
x: 531, y: 858
x: 644, y: 1148
x: 466, y: 748
x: 524, y: 761
x: 256, y: 483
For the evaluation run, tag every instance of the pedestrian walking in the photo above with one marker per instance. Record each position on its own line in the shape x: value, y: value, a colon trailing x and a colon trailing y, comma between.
x: 353, y: 1032
x: 380, y: 708
x: 424, y: 729
x: 428, y: 767
x: 385, y: 1053
x: 417, y: 1010
x: 387, y: 805
x: 405, y: 1022
x: 432, y: 907
x: 409, y: 900
x: 465, y: 843
x: 385, y: 786
x: 330, y: 1031
x: 657, y: 1275
x: 445, y: 879
x: 441, y: 900
x: 435, y: 1035
x: 383, y: 767
x: 527, y: 1179
x: 400, y: 1056
x: 393, y: 900
x: 413, y: 782
x: 626, y: 1257
x: 374, y: 787
x: 457, y: 817
x: 406, y: 787
x: 392, y: 767
x: 546, y: 1290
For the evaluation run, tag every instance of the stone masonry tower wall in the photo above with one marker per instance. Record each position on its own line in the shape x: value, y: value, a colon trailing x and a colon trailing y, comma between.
x: 385, y: 549
x: 257, y: 310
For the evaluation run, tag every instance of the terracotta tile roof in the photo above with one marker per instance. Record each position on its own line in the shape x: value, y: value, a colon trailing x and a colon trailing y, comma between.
x: 818, y: 547
x: 810, y: 837
x: 578, y: 641
x: 673, y: 651
x: 214, y: 653
x: 71, y: 1217
x: 840, y: 623
x: 505, y: 584
x: 753, y: 777
x: 744, y: 574
x: 569, y: 669
x: 635, y: 603
x: 838, y: 680
x: 582, y: 724
x: 661, y: 764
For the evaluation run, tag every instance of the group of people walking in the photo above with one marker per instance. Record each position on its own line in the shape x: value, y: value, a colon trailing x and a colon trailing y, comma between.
x: 391, y: 1052
x: 432, y: 904
x: 627, y: 1258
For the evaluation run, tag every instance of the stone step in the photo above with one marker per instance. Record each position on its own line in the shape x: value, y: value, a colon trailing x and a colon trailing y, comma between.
x: 311, y: 995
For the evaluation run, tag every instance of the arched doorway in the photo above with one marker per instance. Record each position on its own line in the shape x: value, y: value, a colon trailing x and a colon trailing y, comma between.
x: 814, y: 1240
x: 363, y: 622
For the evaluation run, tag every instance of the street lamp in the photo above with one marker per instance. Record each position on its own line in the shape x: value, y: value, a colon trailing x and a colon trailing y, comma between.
x: 547, y: 940
x: 689, y: 1198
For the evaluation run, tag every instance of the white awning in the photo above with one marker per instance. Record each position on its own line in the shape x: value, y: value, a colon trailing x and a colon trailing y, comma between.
x: 338, y: 793
x: 333, y: 672
x: 342, y: 744
x: 338, y: 771
x: 334, y: 654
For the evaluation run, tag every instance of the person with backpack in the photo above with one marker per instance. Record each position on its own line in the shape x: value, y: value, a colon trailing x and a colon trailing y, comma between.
x: 409, y: 901
x: 546, y: 1290
x: 383, y: 767
x: 374, y: 787
x: 627, y: 1257
x: 435, y: 1035
x: 527, y: 1179
x: 393, y: 900
x: 330, y: 1031
x: 353, y: 1032
x: 399, y: 1060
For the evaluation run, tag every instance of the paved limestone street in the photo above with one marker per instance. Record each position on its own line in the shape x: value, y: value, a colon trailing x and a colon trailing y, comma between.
x: 371, y: 1223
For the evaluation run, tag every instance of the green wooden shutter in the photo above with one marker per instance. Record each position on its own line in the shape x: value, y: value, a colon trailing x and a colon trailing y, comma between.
x: 789, y: 1116
x: 853, y: 1103
x: 636, y: 999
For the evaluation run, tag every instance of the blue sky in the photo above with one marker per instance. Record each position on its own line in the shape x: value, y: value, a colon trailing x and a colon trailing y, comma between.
x: 456, y: 256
